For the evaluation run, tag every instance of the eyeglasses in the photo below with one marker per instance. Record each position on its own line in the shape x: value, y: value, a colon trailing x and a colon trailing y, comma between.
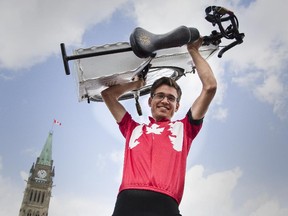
x: 160, y: 96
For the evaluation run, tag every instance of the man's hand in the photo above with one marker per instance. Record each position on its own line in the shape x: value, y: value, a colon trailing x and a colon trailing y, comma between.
x: 139, y: 82
x: 194, y: 46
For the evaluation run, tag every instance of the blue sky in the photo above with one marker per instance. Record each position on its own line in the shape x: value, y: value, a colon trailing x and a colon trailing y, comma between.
x: 237, y: 164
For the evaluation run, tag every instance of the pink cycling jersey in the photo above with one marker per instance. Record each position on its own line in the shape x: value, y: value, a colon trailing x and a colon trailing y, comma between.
x: 156, y: 154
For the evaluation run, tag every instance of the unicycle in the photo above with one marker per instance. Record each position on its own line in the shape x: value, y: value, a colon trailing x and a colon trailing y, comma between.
x: 148, y: 55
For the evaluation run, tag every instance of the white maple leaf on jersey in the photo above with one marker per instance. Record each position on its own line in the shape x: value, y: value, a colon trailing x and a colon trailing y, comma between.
x: 154, y: 129
x: 176, y: 136
x: 137, y: 132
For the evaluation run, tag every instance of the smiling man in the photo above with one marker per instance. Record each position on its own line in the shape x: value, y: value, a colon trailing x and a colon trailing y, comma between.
x: 156, y: 153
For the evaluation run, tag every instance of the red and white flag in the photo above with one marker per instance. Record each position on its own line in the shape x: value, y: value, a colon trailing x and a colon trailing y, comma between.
x: 57, y: 122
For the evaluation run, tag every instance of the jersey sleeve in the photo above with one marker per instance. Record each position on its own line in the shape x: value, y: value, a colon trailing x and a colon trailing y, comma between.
x: 193, y: 121
x: 192, y: 128
x: 127, y: 124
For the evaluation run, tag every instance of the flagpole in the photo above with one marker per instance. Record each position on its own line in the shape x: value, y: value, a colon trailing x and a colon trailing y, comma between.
x: 52, y: 127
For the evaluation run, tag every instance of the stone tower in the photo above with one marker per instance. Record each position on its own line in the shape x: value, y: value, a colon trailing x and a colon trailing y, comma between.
x: 39, y: 185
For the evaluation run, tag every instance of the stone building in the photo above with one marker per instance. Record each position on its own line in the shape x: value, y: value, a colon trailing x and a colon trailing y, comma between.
x: 38, y: 190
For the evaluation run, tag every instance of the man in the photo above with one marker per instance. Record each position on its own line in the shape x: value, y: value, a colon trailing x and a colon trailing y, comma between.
x: 156, y: 153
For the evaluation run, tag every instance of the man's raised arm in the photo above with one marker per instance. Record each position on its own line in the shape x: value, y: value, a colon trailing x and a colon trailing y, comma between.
x: 209, y: 83
x: 111, y: 95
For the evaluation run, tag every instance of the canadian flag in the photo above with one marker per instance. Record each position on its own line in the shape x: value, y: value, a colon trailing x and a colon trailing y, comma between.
x: 57, y: 122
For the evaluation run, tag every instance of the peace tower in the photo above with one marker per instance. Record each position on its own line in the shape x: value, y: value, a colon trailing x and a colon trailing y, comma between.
x: 39, y: 185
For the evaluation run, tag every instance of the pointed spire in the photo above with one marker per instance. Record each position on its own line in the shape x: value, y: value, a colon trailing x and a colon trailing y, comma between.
x: 32, y: 168
x: 46, y: 154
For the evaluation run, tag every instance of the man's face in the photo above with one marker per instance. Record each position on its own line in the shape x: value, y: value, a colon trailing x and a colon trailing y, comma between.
x: 164, y: 102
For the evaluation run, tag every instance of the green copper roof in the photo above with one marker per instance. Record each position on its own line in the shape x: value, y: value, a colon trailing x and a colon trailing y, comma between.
x: 46, y: 154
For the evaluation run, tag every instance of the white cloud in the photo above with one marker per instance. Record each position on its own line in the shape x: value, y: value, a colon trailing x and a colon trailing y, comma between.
x: 159, y: 17
x: 220, y: 113
x: 24, y: 175
x: 10, y: 195
x: 273, y: 91
x: 214, y: 194
x: 270, y: 207
x: 211, y: 195
x: 35, y: 29
x: 269, y: 90
x: 265, y: 43
x: 248, y: 79
x: 118, y: 157
x: 75, y: 205
x: 99, y: 110
x: 103, y: 162
x: 260, y: 63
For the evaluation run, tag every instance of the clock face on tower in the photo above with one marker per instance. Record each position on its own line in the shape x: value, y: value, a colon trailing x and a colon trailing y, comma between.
x: 42, y: 174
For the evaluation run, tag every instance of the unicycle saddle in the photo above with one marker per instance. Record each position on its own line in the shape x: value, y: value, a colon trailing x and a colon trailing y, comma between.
x: 145, y: 43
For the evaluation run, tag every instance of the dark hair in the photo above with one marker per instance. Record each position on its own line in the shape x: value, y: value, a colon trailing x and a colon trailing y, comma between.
x: 166, y: 81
